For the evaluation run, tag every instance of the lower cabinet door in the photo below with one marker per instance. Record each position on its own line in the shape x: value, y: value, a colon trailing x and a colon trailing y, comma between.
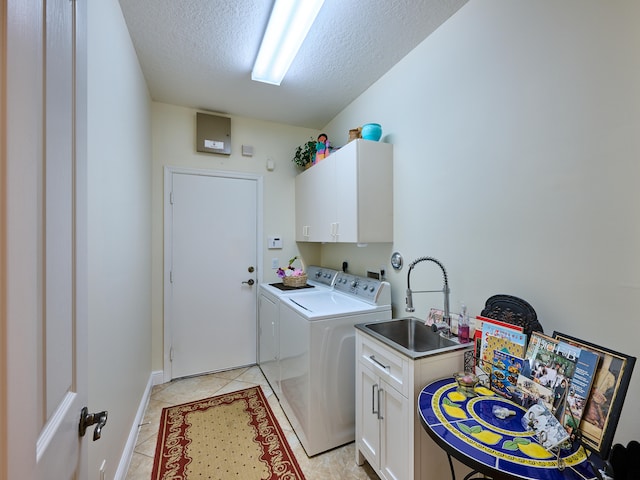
x: 368, y: 421
x: 396, y: 432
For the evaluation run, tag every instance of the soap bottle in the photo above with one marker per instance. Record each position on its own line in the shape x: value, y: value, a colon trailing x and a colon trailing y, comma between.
x: 463, y: 326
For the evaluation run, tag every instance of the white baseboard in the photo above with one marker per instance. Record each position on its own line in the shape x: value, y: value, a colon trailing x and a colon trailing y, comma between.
x: 154, y: 379
x: 157, y: 378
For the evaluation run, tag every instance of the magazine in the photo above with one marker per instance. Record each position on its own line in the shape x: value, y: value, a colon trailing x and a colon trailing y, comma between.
x: 480, y: 321
x: 504, y: 376
x: 477, y: 338
x: 499, y: 336
x: 570, y: 411
x: 547, y: 370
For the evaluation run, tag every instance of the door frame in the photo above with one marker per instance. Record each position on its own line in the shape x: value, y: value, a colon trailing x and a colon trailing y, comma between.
x: 168, y: 247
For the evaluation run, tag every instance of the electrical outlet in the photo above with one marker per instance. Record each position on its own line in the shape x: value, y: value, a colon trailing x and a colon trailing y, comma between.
x: 275, y: 263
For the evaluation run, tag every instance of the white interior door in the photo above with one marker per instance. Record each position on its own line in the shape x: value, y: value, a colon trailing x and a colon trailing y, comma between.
x: 43, y: 255
x: 213, y: 278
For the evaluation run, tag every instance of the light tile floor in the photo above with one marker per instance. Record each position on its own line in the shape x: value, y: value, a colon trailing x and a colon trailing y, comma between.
x: 336, y: 464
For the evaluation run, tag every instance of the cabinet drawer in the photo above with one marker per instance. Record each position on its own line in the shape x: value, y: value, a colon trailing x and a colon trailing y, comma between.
x: 389, y: 365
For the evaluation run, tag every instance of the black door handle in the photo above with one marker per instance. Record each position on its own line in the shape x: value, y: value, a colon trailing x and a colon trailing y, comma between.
x: 87, y: 419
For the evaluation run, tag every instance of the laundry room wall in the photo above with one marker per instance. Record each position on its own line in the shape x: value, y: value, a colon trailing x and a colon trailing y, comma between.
x: 515, y: 131
x: 174, y: 144
x: 119, y: 234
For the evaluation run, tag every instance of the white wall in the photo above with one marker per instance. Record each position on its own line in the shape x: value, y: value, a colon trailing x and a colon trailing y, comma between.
x: 119, y: 198
x: 515, y: 130
x: 174, y: 144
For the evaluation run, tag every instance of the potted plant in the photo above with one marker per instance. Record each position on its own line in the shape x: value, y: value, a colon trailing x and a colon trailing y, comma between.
x: 305, y: 154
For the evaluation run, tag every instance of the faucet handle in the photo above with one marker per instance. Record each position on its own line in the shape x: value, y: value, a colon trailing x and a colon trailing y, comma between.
x: 441, y: 327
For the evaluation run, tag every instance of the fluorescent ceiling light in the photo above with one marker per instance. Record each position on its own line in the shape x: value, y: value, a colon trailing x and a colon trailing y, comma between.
x: 288, y: 26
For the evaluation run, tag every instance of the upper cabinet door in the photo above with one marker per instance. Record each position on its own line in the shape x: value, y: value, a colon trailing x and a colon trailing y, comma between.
x: 348, y: 196
x: 315, y: 203
x: 374, y: 192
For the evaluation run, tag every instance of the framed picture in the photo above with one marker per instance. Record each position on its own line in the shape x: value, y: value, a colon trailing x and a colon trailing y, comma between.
x: 608, y: 391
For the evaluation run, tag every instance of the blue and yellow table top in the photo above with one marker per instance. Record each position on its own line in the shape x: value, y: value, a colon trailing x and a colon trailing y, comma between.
x: 466, y: 428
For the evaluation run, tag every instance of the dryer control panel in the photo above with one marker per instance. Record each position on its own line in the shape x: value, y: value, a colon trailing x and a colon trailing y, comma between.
x: 366, y: 289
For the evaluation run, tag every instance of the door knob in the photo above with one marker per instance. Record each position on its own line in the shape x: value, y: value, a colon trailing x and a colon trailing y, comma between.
x: 249, y: 282
x: 87, y: 419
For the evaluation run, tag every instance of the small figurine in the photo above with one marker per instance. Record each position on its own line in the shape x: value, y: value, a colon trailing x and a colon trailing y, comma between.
x: 502, y: 412
x: 322, y: 147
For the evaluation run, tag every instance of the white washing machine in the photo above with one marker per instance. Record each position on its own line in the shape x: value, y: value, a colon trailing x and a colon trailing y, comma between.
x: 269, y: 297
x: 317, y: 357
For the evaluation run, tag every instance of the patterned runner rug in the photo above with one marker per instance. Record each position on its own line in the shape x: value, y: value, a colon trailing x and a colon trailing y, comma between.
x: 231, y: 436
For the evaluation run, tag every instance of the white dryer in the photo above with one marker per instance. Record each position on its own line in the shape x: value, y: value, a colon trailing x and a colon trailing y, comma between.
x: 269, y: 297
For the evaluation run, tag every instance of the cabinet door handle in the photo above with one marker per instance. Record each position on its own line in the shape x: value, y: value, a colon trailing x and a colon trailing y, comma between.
x: 374, y: 360
x: 380, y: 417
x: 373, y: 400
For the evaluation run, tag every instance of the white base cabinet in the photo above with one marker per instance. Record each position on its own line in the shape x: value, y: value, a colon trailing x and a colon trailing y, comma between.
x: 348, y: 196
x: 383, y: 436
x: 389, y: 435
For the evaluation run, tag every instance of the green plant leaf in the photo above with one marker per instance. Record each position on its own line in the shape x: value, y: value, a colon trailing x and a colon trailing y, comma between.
x: 304, y: 153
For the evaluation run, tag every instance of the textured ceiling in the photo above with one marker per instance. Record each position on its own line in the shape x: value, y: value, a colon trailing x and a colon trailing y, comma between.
x: 199, y: 53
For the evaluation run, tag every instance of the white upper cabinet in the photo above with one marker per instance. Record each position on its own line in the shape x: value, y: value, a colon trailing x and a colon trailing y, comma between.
x: 348, y: 196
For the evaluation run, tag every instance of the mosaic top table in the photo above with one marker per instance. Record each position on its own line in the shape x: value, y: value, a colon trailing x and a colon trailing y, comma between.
x: 466, y: 429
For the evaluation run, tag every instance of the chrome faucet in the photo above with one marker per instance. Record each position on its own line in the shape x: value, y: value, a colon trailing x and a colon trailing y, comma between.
x: 445, y: 325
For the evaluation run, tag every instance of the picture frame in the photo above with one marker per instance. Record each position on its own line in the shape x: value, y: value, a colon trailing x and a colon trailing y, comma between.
x: 603, y: 407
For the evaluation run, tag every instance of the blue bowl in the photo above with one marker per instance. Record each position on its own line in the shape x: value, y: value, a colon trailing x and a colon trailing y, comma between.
x: 372, y: 131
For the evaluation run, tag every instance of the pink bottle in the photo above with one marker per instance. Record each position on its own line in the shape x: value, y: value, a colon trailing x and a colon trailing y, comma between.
x: 463, y: 326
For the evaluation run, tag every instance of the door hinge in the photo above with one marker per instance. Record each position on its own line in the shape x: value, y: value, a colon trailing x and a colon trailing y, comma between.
x: 170, y: 276
x: 171, y: 198
x: 171, y: 354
